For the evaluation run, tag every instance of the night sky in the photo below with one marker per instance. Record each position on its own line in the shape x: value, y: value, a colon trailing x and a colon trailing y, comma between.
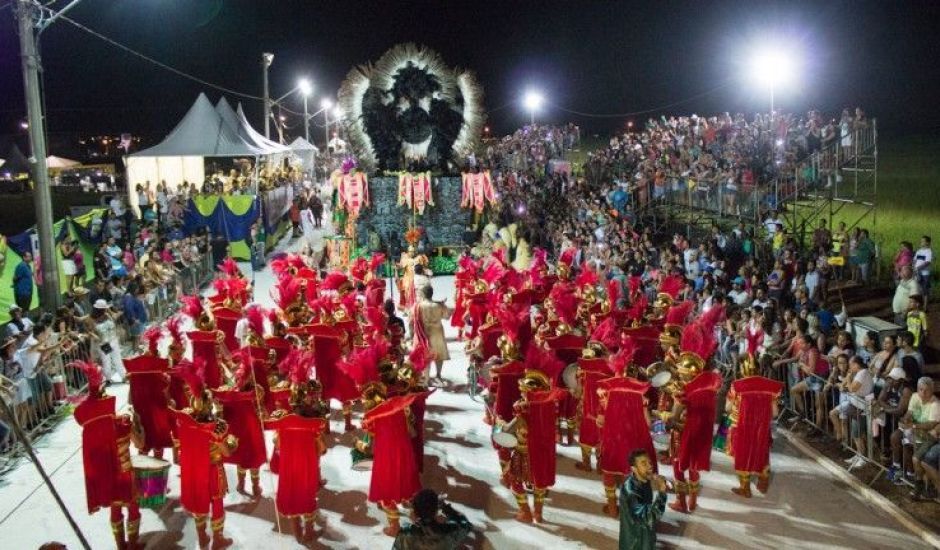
x: 594, y: 57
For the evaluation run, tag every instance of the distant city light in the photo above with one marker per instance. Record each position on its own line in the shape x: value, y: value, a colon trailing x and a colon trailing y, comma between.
x: 24, y: 125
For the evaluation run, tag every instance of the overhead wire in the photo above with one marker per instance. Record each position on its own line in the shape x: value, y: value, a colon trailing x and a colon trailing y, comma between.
x: 645, y: 111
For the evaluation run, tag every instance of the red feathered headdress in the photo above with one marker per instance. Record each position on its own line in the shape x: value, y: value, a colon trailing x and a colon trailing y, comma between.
x: 712, y: 317
x: 299, y: 373
x: 636, y: 310
x: 230, y: 268
x: 587, y: 277
x: 500, y: 256
x: 512, y: 279
x: 622, y: 359
x: 284, y: 368
x: 567, y: 256
x: 193, y: 373
x: 174, y: 325
x: 351, y: 304
x: 511, y: 321
x: 256, y: 316
x: 699, y: 340
x: 634, y: 282
x: 376, y: 318
x: 359, y: 268
x: 362, y: 365
x: 613, y: 292
x: 544, y: 361
x: 494, y: 272
x: 191, y: 306
x: 286, y: 292
x: 606, y: 333
x: 376, y: 262
x: 152, y: 336
x: 565, y: 303
x: 678, y: 314
x: 672, y: 285
x: 334, y: 280
x: 93, y: 374
x: 420, y: 358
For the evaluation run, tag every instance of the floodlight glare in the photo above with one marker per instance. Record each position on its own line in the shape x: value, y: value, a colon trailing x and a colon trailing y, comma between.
x: 533, y: 101
x: 337, y: 112
x: 305, y: 87
x: 326, y: 104
x: 772, y: 68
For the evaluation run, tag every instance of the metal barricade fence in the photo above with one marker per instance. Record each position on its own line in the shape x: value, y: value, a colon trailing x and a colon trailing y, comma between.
x: 40, y: 402
x: 844, y: 417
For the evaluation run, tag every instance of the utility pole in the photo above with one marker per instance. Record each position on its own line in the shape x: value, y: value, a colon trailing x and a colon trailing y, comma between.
x: 50, y: 297
x: 266, y: 60
x: 306, y: 120
x: 326, y: 122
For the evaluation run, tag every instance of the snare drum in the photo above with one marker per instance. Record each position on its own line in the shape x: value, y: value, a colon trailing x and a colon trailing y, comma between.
x: 151, y: 476
x: 504, y: 435
x: 660, y: 435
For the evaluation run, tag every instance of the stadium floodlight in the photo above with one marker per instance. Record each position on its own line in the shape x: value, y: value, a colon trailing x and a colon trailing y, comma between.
x: 773, y: 69
x: 533, y: 102
x: 326, y: 103
x: 305, y: 87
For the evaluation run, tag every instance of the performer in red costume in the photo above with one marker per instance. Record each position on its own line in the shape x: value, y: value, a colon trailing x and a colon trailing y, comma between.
x: 149, y: 379
x: 532, y: 461
x: 329, y: 342
x: 106, y: 439
x: 504, y: 386
x: 204, y: 443
x: 206, y: 340
x: 592, y: 368
x: 299, y: 443
x: 566, y: 343
x: 752, y: 404
x: 242, y: 407
x: 622, y: 400
x: 395, y: 470
x: 694, y: 413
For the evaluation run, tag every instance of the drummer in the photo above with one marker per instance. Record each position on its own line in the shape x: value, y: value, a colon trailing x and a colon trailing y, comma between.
x: 106, y: 439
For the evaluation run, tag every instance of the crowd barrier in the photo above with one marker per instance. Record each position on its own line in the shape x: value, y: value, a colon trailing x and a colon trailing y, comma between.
x: 39, y: 403
x: 847, y: 419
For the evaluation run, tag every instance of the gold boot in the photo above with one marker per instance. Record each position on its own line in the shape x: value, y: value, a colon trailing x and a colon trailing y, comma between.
x: 585, y: 464
x: 524, y: 514
x: 694, y: 488
x: 680, y: 505
x: 763, y: 481
x: 392, y: 515
x: 744, y: 490
x: 218, y: 539
x: 201, y: 531
x: 539, y: 503
x: 133, y: 535
x: 611, y: 508
x: 117, y: 528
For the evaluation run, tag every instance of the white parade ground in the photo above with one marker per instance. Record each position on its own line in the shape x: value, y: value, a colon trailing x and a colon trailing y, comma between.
x: 808, y: 501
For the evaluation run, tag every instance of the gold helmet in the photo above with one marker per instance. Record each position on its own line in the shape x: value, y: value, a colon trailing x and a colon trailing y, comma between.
x: 205, y: 322
x: 663, y: 301
x: 508, y: 349
x: 748, y: 366
x: 670, y: 335
x: 595, y: 350
x: 480, y: 286
x: 373, y: 394
x: 534, y: 381
x: 689, y: 365
x: 563, y: 270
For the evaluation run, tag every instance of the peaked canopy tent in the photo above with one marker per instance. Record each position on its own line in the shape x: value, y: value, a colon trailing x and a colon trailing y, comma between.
x: 54, y: 162
x: 16, y: 162
x: 204, y: 131
x: 305, y: 151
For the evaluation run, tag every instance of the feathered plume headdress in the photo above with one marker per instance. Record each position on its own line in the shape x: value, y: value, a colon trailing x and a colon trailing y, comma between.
x: 362, y: 365
x: 256, y: 316
x: 191, y: 307
x: 567, y: 256
x: 229, y: 268
x: 672, y: 285
x: 587, y: 277
x: 565, y: 303
x: 613, y: 292
x: 93, y: 374
x: 545, y: 362
x: 152, y: 336
x: 511, y: 321
x: 679, y: 313
x: 334, y: 281
x: 699, y: 340
x: 359, y: 268
x: 636, y: 310
x: 606, y: 333
x: 193, y: 373
x: 622, y: 359
x: 174, y: 325
x: 286, y: 292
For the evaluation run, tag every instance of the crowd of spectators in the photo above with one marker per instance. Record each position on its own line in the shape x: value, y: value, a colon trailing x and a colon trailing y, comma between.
x: 782, y: 300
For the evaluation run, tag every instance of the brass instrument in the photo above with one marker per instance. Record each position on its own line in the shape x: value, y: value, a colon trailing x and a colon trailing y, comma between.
x: 534, y: 381
x: 748, y: 366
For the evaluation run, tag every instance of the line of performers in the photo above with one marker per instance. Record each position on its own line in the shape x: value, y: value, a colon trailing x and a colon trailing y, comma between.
x: 569, y: 359
x: 223, y: 371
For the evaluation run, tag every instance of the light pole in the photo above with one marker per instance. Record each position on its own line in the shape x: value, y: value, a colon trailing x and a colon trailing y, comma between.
x: 27, y: 14
x: 532, y: 102
x: 326, y: 105
x: 266, y: 60
x: 772, y: 68
x: 305, y: 89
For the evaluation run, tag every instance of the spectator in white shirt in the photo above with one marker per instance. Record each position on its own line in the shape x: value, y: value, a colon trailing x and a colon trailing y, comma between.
x: 923, y: 262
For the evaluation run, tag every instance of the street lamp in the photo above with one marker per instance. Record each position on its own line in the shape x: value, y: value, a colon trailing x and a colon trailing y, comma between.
x: 772, y: 68
x: 305, y: 89
x: 325, y: 105
x: 532, y: 102
x: 266, y: 60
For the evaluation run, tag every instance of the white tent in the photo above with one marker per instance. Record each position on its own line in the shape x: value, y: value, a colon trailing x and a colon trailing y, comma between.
x: 53, y: 161
x: 204, y: 131
x: 305, y: 151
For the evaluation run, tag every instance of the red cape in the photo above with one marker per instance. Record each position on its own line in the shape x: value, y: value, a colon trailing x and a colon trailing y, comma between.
x: 541, y: 418
x: 695, y: 444
x: 149, y: 381
x: 328, y: 349
x: 200, y: 479
x: 394, y: 471
x: 749, y: 436
x: 625, y: 427
x: 239, y: 408
x: 106, y: 479
x: 590, y: 372
x: 299, y: 470
x: 225, y: 320
x: 205, y: 347
x: 506, y: 378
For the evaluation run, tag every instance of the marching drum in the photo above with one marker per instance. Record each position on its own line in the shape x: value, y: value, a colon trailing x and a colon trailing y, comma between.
x: 570, y: 378
x: 660, y: 435
x: 504, y: 435
x: 150, y: 476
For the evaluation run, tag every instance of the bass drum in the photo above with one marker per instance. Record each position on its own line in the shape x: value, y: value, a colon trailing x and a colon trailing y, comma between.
x: 504, y: 435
